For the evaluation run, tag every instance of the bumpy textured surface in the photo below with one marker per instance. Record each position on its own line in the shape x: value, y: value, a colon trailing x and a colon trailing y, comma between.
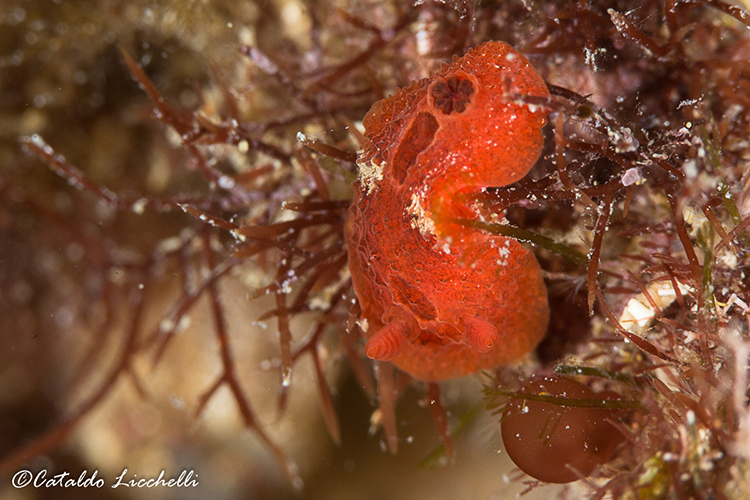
x: 438, y: 299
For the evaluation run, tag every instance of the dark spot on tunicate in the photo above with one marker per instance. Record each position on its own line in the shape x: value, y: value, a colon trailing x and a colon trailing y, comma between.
x: 452, y: 94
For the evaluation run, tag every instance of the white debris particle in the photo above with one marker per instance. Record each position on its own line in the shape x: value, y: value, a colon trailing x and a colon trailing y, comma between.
x: 631, y: 176
x: 238, y: 236
x: 690, y: 417
x: 226, y: 182
x: 688, y: 102
x: 734, y: 300
x: 638, y: 312
x: 166, y: 325
x: 370, y: 173
x: 691, y: 169
x: 503, y: 252
x: 169, y: 245
x: 182, y: 324
x: 424, y: 38
x: 363, y: 324
x: 623, y: 140
x: 140, y: 206
x: 37, y: 141
x: 421, y: 221
x: 286, y: 376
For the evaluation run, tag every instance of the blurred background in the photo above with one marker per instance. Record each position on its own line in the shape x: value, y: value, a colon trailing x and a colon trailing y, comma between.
x: 119, y: 313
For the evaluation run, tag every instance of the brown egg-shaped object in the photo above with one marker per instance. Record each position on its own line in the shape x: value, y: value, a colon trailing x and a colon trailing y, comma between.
x: 550, y: 442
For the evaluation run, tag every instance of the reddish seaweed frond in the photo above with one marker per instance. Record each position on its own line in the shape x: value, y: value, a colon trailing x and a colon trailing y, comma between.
x: 638, y: 211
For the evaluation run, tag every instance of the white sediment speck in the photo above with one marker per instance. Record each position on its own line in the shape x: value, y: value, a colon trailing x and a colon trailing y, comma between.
x: 370, y: 173
x: 421, y: 221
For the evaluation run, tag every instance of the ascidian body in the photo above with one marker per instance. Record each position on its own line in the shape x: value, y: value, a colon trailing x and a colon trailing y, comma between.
x: 440, y: 299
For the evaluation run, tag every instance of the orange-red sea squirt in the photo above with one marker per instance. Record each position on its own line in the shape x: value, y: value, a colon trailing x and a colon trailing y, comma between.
x: 439, y: 299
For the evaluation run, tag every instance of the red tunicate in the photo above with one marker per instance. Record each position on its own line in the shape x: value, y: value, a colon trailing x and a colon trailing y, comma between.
x: 440, y: 299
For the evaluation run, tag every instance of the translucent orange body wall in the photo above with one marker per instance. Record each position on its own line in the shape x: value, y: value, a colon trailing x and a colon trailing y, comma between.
x: 438, y: 299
